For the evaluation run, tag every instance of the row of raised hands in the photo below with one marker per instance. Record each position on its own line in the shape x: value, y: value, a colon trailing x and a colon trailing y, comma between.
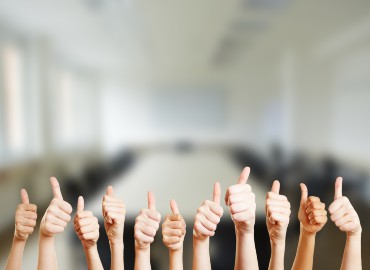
x: 242, y: 207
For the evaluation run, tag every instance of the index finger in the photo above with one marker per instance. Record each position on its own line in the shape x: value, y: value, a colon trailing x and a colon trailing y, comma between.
x: 243, y: 178
x: 56, y: 188
x: 338, y: 188
x: 217, y: 193
x: 24, y: 196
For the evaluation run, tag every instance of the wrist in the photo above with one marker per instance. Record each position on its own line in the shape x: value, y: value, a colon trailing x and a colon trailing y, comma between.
x: 19, y: 239
x: 176, y: 252
x: 306, y: 233
x: 116, y: 244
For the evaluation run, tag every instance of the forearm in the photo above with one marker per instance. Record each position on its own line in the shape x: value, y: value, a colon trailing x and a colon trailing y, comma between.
x: 47, y: 257
x: 176, y: 262
x: 142, y: 259
x: 117, y: 262
x: 305, y: 251
x: 277, y: 256
x: 246, y: 256
x: 352, y: 253
x: 92, y: 258
x: 15, y: 256
x: 201, y: 257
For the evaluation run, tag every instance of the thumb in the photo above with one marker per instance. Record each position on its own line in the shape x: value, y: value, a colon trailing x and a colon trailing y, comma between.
x: 304, y: 193
x: 24, y: 196
x: 338, y: 188
x: 275, y: 187
x: 109, y: 191
x: 174, y: 207
x: 217, y: 193
x: 80, y: 204
x: 56, y: 188
x: 151, y: 201
x: 243, y: 178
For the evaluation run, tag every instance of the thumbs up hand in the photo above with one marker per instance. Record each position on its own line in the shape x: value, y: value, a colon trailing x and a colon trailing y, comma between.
x: 208, y: 216
x: 114, y: 212
x: 58, y: 213
x: 147, y: 224
x: 277, y: 213
x: 342, y: 212
x: 25, y: 218
x: 242, y: 204
x: 174, y: 228
x: 312, y: 213
x: 86, y: 225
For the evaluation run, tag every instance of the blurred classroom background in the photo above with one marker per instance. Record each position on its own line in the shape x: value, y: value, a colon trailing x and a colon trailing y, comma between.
x: 171, y: 96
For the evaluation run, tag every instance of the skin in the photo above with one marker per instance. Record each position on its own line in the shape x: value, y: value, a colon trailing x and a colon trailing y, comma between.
x: 206, y: 220
x: 173, y: 230
x: 86, y: 227
x: 55, y: 220
x: 346, y: 219
x: 114, y: 212
x: 25, y: 222
x: 146, y: 227
x: 312, y: 216
x: 277, y: 221
x: 242, y: 205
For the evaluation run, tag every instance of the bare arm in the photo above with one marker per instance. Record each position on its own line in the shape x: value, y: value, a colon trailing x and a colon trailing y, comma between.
x: 146, y: 226
x: 173, y: 230
x: 312, y: 216
x: 25, y: 222
x: 205, y: 225
x: 277, y: 221
x: 242, y: 205
x: 54, y: 221
x: 114, y: 212
x: 347, y: 220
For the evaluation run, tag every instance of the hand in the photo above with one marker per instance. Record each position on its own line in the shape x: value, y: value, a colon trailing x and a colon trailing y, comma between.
x: 277, y: 214
x: 208, y: 216
x: 114, y: 212
x: 25, y: 218
x: 342, y: 212
x: 86, y: 225
x: 58, y: 213
x: 312, y: 213
x: 174, y: 228
x: 242, y: 204
x: 147, y: 224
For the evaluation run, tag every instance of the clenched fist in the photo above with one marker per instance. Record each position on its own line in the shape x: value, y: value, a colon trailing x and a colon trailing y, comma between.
x: 277, y: 214
x: 312, y: 213
x: 86, y: 225
x: 147, y: 224
x: 114, y: 212
x: 58, y: 213
x: 342, y: 212
x: 208, y: 216
x: 174, y: 228
x: 242, y: 204
x: 25, y: 218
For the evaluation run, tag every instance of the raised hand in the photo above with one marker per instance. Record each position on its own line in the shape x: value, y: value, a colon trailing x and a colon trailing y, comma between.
x: 277, y: 213
x: 174, y: 228
x: 242, y: 204
x: 86, y: 225
x: 58, y: 213
x: 114, y: 212
x: 147, y: 224
x: 342, y: 212
x: 208, y: 215
x: 312, y: 213
x: 25, y: 218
